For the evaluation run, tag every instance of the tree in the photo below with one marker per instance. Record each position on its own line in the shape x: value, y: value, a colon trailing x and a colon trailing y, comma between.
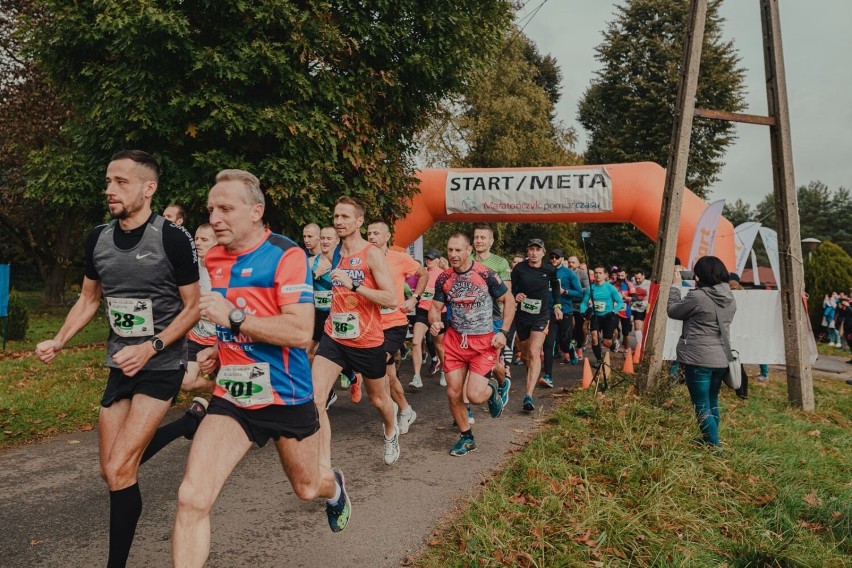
x: 822, y: 213
x: 827, y: 270
x: 505, y: 118
x: 628, y: 109
x: 739, y: 212
x: 318, y: 98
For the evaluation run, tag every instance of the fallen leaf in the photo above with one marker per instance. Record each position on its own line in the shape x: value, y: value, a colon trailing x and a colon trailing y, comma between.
x: 35, y: 541
x: 811, y: 499
x: 434, y: 542
x: 836, y: 515
x: 814, y: 433
x: 518, y: 430
x: 87, y: 428
x: 63, y: 415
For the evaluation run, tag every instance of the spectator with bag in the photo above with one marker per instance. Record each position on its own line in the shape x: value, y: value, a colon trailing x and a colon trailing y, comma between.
x: 706, y: 312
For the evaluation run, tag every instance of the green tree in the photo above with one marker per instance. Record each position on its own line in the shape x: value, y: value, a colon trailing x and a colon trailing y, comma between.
x: 628, y: 109
x: 822, y: 213
x: 505, y: 118
x: 318, y: 98
x: 739, y: 212
x: 827, y: 270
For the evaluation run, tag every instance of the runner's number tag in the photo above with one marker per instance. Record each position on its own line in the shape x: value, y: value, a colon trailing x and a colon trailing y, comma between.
x: 531, y: 306
x: 246, y: 385
x: 131, y: 317
x: 322, y: 299
x: 345, y: 325
x: 428, y: 294
x: 385, y: 310
x: 600, y: 307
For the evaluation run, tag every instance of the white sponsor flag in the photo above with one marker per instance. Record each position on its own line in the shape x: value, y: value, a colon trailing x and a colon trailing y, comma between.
x: 770, y: 243
x: 754, y: 268
x: 704, y: 240
x: 415, y: 249
x: 744, y: 236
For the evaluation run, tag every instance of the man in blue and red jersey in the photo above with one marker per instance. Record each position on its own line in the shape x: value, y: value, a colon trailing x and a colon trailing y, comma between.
x: 262, y: 304
x: 471, y: 348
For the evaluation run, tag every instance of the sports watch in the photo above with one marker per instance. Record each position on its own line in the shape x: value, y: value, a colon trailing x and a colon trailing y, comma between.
x: 157, y: 343
x: 355, y: 285
x: 236, y: 317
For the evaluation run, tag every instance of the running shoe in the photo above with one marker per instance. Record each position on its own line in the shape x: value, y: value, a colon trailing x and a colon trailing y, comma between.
x: 344, y: 381
x: 464, y: 446
x: 470, y: 417
x: 435, y: 367
x: 355, y: 390
x: 572, y: 353
x: 614, y: 346
x: 339, y: 513
x: 403, y: 353
x: 504, y: 390
x: 332, y: 398
x: 198, y: 410
x: 495, y: 401
x: 392, y: 447
x: 528, y: 404
x: 508, y: 371
x: 416, y: 382
x: 443, y: 381
x: 546, y: 381
x: 762, y: 378
x: 406, y: 419
x: 517, y: 361
x: 580, y: 355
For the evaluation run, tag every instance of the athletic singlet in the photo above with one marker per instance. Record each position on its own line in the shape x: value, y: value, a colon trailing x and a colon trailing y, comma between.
x: 400, y: 265
x: 322, y: 287
x: 429, y: 293
x: 254, y: 374
x: 355, y: 321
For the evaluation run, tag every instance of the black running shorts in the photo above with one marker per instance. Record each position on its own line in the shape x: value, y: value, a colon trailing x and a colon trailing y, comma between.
x: 369, y: 361
x: 162, y: 385
x: 274, y: 421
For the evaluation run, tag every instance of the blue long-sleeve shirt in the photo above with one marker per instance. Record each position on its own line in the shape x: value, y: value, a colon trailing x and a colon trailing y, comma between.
x: 605, y: 298
x: 571, y: 288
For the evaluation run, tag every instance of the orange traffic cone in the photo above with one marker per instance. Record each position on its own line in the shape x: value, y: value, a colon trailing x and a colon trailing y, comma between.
x: 628, y: 363
x: 587, y: 374
x: 637, y: 355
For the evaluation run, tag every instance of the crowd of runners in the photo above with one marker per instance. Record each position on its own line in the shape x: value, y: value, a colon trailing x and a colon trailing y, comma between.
x: 267, y: 327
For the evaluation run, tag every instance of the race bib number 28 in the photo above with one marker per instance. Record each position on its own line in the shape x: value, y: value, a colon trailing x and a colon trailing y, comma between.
x: 131, y: 317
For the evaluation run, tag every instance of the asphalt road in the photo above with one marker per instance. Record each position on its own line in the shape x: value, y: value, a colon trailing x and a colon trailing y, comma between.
x: 54, y: 507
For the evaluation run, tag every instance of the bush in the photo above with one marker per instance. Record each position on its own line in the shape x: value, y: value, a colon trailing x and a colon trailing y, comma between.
x: 19, y: 318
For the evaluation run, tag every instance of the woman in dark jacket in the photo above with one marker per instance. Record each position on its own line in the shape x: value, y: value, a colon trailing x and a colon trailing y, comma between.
x: 701, y: 350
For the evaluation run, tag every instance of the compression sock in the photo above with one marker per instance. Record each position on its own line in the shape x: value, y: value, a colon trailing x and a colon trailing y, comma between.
x: 596, y: 349
x: 125, y: 507
x: 184, y: 426
x: 638, y: 339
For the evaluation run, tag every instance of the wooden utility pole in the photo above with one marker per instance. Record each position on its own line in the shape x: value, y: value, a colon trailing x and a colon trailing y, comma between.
x: 664, y: 256
x: 799, y: 373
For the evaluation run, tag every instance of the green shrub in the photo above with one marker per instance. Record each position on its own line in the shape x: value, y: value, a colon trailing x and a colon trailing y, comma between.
x: 19, y: 318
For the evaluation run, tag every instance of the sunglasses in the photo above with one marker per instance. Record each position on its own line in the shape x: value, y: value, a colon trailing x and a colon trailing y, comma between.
x: 553, y: 256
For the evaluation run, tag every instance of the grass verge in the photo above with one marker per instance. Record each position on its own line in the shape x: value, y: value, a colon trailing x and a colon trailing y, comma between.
x: 614, y: 481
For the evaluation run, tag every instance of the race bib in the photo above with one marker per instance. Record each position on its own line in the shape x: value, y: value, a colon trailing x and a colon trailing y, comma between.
x: 428, y: 294
x: 246, y: 385
x: 345, y: 325
x: 322, y: 299
x: 600, y: 306
x: 531, y: 306
x: 131, y: 317
x: 639, y: 305
x: 385, y: 310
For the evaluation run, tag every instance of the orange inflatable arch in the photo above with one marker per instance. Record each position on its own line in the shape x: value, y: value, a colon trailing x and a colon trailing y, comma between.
x: 636, y: 197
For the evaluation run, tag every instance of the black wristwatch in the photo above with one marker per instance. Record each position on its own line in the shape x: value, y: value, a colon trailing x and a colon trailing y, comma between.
x: 355, y: 285
x: 236, y: 318
x: 157, y: 343
x: 504, y: 332
x: 417, y: 297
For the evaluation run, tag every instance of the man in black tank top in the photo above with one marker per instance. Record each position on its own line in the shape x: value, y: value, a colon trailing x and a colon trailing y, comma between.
x: 146, y: 270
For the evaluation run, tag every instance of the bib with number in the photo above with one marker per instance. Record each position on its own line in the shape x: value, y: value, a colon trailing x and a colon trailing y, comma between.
x: 385, y: 310
x: 131, y: 317
x: 600, y: 307
x: 246, y: 385
x: 428, y: 294
x: 345, y: 325
x: 322, y: 299
x: 531, y: 306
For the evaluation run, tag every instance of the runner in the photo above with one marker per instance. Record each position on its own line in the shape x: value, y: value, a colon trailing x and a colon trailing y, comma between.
x: 395, y: 320
x: 353, y: 335
x: 580, y: 321
x: 311, y: 238
x: 421, y: 319
x: 560, y: 332
x: 146, y: 269
x: 471, y: 346
x: 640, y: 305
x: 536, y: 289
x: 628, y: 292
x: 483, y: 240
x: 604, y: 302
x: 175, y: 213
x: 262, y: 305
x: 320, y: 265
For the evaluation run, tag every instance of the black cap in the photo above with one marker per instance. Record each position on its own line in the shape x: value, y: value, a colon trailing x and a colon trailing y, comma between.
x: 734, y: 276
x: 433, y: 254
x: 535, y: 243
x: 557, y: 252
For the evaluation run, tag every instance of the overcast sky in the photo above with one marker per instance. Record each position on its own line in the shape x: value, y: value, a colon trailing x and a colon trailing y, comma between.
x: 817, y: 42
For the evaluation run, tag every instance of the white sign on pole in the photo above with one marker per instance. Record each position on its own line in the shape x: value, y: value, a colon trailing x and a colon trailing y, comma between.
x: 529, y: 192
x: 704, y: 240
x: 770, y: 243
x: 744, y: 236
